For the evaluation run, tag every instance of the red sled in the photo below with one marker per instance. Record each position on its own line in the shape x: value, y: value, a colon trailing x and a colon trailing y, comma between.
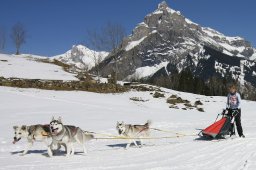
x: 220, y: 128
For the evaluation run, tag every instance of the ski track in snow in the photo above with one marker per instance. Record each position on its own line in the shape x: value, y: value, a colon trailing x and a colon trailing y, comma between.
x: 99, y: 113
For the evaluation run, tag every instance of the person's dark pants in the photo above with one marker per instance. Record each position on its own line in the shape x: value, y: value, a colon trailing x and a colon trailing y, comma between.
x: 238, y: 123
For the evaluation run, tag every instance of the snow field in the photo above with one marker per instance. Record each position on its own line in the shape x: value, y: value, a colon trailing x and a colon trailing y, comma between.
x: 26, y: 66
x: 99, y: 113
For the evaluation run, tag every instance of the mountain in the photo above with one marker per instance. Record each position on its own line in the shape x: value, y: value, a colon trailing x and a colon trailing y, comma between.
x: 81, y: 57
x: 166, y: 42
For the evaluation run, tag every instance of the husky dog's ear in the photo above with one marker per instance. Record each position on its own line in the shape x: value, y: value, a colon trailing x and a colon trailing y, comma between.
x: 122, y: 123
x: 23, y: 127
x: 117, y: 123
x: 15, y: 127
x: 59, y: 119
x: 52, y: 118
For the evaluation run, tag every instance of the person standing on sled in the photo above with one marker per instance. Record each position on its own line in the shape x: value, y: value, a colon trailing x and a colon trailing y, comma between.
x: 234, y: 104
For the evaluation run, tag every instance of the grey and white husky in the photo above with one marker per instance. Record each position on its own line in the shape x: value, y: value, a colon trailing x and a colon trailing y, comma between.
x: 68, y: 135
x: 133, y: 131
x: 33, y: 133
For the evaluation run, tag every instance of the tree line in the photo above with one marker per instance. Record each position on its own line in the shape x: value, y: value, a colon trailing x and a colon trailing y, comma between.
x: 187, y: 82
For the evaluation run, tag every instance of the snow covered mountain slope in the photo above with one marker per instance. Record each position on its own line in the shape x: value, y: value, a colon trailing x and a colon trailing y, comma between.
x: 81, y: 57
x: 99, y: 113
x: 166, y: 35
x: 29, y: 67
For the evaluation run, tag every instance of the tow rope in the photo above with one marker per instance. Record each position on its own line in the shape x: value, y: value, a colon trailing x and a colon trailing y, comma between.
x: 169, y: 131
x: 115, y: 137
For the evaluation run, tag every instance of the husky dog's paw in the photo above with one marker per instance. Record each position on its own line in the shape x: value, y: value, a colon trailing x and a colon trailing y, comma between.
x: 50, y: 153
x: 22, y: 154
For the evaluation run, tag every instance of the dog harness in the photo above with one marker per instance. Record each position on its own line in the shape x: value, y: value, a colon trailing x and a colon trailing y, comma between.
x: 71, y: 130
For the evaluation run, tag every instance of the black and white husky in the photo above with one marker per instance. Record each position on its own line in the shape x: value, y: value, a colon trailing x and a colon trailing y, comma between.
x: 33, y: 133
x: 68, y: 135
x: 133, y: 131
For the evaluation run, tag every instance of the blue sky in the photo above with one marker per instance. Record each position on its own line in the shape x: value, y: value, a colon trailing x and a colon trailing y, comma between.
x: 53, y: 26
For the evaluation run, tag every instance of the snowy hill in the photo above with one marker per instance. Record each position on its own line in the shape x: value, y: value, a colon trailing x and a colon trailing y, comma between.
x: 168, y: 41
x: 81, y: 57
x: 99, y: 113
x: 29, y: 67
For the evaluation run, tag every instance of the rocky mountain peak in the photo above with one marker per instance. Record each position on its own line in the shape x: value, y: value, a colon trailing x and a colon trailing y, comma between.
x: 82, y: 57
x: 161, y: 19
x: 173, y: 28
x: 79, y: 50
x: 168, y: 41
x: 163, y: 5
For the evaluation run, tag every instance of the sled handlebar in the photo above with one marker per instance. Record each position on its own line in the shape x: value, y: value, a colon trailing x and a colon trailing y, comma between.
x: 226, y: 112
x: 230, y: 112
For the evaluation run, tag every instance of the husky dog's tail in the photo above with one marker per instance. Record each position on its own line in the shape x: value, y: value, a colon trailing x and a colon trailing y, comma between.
x: 148, y: 123
x: 88, y: 135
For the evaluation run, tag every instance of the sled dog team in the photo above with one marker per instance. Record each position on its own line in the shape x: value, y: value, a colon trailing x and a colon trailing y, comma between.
x: 68, y: 135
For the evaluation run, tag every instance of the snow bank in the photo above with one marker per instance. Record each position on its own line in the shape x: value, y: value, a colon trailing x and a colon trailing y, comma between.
x: 26, y: 66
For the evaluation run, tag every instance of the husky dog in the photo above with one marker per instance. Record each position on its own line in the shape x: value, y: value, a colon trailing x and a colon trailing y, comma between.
x: 68, y: 135
x: 32, y: 133
x: 133, y: 131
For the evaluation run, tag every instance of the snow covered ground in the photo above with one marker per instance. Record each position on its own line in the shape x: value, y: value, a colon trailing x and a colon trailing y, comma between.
x: 99, y: 113
x: 26, y: 66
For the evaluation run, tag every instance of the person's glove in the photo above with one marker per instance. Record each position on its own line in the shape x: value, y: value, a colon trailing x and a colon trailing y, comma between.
x: 225, y: 111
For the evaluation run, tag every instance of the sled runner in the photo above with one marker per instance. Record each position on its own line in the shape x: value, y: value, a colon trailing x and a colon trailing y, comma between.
x: 221, y: 128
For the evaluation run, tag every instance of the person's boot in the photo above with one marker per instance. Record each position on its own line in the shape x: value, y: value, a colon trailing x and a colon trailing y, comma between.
x: 242, y: 136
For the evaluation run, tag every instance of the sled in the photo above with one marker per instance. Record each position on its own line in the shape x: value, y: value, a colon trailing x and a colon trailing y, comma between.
x: 221, y: 128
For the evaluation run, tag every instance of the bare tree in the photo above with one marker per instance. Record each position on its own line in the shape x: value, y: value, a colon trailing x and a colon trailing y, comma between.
x: 98, y: 58
x: 18, y: 36
x: 96, y: 46
x: 113, y: 34
x: 2, y: 39
x: 108, y: 38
